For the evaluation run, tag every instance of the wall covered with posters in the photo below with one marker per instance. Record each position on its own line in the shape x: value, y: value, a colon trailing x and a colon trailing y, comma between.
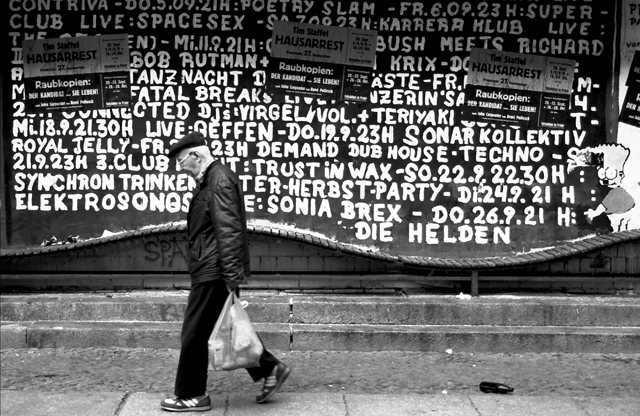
x: 442, y: 129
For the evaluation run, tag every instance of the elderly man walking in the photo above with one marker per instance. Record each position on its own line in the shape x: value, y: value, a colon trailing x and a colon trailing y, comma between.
x: 218, y: 261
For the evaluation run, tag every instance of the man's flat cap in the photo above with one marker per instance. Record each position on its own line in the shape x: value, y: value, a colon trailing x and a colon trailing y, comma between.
x: 194, y: 139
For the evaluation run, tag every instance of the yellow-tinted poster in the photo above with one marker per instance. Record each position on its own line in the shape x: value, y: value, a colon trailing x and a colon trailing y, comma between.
x: 321, y: 61
x: 630, y: 112
x: 76, y: 73
x: 531, y: 91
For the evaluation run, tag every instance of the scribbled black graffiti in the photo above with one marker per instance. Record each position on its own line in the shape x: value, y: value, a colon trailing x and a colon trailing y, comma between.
x: 165, y: 251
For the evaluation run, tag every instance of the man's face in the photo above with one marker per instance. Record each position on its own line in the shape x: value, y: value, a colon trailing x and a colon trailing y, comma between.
x: 189, y: 161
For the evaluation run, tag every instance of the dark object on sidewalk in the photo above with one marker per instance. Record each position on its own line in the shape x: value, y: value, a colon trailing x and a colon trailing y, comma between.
x: 492, y: 387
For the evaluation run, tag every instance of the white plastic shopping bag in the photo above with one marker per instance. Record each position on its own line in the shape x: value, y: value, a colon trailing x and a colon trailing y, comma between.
x: 234, y: 343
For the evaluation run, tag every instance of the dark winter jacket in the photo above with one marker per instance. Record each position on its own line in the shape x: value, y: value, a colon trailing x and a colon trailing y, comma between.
x: 216, y: 223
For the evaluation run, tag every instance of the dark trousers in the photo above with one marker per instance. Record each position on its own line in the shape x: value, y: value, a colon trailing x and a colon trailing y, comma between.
x: 204, y: 305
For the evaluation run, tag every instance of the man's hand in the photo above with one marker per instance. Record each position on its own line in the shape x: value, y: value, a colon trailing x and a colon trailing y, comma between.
x: 232, y: 288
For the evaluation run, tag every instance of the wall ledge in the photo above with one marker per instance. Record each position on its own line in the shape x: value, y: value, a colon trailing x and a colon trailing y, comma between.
x: 560, y: 252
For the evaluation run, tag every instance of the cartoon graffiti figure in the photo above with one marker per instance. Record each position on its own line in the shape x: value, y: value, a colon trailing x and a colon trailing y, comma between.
x: 618, y: 204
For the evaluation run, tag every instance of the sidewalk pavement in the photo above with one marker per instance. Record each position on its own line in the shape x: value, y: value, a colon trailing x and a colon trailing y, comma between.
x: 30, y: 403
x: 133, y: 381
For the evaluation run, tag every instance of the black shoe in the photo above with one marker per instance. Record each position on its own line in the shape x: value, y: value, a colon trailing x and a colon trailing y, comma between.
x: 282, y: 373
x: 195, y: 404
x: 493, y: 387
